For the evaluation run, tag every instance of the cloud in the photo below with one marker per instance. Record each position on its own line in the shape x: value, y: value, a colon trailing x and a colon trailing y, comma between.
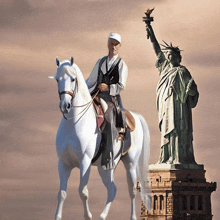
x: 206, y: 59
x: 47, y: 16
x: 13, y: 12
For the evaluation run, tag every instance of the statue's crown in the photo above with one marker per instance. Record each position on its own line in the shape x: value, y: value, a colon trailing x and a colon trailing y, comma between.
x: 171, y: 47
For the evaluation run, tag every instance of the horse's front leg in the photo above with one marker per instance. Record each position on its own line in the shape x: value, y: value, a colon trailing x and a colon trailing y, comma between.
x: 85, y: 167
x: 108, y: 180
x: 64, y: 173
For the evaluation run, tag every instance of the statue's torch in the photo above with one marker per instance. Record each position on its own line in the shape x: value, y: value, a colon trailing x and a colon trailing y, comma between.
x: 148, y: 19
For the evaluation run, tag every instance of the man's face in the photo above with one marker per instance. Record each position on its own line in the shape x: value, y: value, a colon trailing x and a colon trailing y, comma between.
x: 113, y: 46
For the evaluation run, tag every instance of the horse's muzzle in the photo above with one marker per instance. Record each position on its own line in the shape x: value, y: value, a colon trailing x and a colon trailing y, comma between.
x: 65, y: 107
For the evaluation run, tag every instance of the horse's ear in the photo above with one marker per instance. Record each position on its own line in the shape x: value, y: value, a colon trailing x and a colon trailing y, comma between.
x: 57, y: 62
x: 71, y: 61
x: 51, y: 77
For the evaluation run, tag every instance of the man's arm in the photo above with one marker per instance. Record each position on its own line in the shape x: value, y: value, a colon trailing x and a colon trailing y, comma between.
x: 153, y: 39
x: 115, y: 89
x: 92, y: 79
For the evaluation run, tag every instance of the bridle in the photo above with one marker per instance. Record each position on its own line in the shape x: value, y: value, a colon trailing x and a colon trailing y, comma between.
x: 73, y: 94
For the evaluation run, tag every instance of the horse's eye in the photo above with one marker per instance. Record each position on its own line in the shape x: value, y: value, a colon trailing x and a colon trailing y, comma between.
x: 73, y: 80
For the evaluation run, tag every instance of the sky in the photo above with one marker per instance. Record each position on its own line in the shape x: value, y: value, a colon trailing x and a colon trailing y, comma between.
x: 34, y: 33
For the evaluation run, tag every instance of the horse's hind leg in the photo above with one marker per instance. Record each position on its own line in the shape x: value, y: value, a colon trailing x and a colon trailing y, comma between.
x: 64, y: 173
x: 85, y: 167
x: 131, y: 179
x: 108, y: 180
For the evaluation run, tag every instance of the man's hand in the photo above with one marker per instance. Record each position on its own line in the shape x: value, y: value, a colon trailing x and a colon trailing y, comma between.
x: 103, y: 87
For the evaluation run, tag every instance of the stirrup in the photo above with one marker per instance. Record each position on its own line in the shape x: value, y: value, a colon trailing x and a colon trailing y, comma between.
x: 121, y: 136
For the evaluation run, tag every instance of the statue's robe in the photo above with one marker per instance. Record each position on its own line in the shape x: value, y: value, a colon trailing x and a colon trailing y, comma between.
x: 176, y: 94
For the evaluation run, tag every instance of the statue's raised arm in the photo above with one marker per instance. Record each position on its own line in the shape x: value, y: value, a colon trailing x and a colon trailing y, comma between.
x: 153, y: 39
x: 150, y: 32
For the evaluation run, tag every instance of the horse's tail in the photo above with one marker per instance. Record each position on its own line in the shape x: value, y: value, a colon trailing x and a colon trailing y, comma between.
x: 142, y: 168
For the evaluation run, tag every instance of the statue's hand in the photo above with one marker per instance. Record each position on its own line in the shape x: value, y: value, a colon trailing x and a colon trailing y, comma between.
x: 191, y: 88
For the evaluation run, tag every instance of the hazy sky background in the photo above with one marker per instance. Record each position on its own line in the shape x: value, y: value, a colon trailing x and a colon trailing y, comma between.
x: 34, y: 33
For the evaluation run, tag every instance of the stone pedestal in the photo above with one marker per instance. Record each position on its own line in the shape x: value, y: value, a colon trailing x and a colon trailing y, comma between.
x: 179, y: 194
x: 176, y: 166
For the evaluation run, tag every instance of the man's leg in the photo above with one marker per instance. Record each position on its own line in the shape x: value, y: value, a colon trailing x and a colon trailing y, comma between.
x: 120, y: 118
x: 108, y: 138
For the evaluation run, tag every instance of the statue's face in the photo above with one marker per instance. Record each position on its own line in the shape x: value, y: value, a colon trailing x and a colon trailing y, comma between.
x: 113, y: 47
x: 173, y: 59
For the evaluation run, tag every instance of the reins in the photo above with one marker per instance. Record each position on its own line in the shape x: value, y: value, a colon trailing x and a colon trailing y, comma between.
x: 88, y: 104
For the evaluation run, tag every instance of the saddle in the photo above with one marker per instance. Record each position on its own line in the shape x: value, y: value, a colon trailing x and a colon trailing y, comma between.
x: 130, y: 121
x: 109, y: 132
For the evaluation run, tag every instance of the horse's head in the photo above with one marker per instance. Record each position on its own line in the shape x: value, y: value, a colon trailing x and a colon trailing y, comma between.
x: 66, y: 78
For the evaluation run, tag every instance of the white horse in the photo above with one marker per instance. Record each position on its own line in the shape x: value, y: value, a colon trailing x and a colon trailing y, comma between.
x: 78, y: 139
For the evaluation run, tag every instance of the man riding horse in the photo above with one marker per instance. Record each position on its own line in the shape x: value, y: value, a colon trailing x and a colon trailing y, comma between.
x: 109, y: 77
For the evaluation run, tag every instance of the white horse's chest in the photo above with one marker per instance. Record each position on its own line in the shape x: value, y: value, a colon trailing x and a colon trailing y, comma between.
x: 77, y: 139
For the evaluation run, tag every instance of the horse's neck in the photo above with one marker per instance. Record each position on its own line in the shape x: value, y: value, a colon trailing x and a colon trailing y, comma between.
x: 82, y: 103
x: 83, y: 90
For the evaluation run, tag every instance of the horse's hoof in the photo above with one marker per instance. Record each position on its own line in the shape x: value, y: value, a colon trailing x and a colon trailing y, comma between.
x: 88, y: 217
x: 101, y: 217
